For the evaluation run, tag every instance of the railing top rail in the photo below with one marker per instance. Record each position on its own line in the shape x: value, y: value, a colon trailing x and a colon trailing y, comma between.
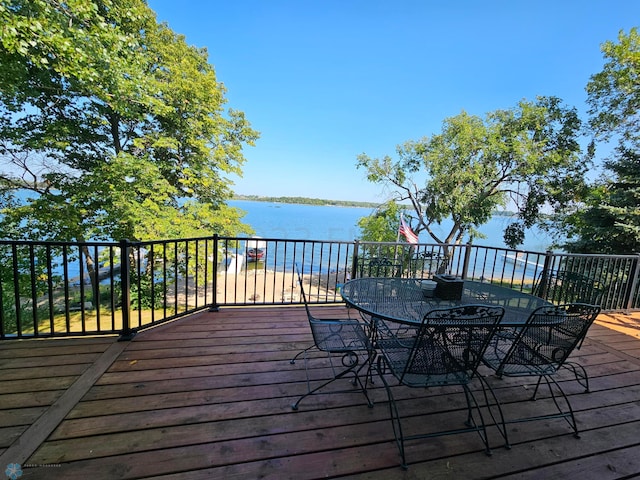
x: 507, y: 249
x: 595, y: 255
x: 293, y: 240
x: 59, y: 243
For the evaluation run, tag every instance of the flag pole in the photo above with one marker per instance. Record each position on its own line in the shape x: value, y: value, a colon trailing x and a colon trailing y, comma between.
x: 395, y: 249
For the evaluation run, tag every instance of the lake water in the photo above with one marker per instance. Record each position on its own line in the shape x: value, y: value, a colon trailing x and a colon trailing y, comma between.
x: 313, y: 222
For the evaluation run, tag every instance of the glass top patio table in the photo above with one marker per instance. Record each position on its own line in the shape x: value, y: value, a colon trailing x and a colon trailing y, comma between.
x: 402, y: 299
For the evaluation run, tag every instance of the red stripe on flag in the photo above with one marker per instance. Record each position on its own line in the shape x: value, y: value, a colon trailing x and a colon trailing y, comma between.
x: 407, y: 232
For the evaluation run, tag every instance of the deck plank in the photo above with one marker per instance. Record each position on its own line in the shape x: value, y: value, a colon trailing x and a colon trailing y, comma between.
x: 208, y: 396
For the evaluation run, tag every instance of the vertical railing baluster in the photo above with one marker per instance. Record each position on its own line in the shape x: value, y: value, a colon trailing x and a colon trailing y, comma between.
x: 16, y: 288
x: 34, y: 295
x: 633, y: 284
x: 151, y: 271
x: 175, y: 278
x: 2, y: 330
x: 214, y: 307
x: 137, y: 263
x: 65, y: 279
x: 207, y: 268
x: 96, y: 288
x: 125, y: 283
x: 81, y: 287
x: 112, y: 284
x: 50, y: 290
x: 164, y: 279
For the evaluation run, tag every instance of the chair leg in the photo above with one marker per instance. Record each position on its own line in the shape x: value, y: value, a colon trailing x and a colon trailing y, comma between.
x: 371, y: 357
x: 394, y: 415
x: 498, y: 422
x: 471, y: 423
x: 566, y: 414
x: 580, y: 373
x: 350, y: 361
x: 301, y: 352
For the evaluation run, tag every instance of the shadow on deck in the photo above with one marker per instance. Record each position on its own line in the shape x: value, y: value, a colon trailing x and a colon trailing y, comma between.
x: 208, y: 396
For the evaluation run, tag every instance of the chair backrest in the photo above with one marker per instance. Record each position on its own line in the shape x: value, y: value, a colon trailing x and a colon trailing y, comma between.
x: 379, y: 267
x: 334, y: 334
x: 451, y: 342
x: 302, y: 292
x: 546, y: 340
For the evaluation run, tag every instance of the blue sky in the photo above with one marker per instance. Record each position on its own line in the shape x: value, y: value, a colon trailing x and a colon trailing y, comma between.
x: 324, y: 81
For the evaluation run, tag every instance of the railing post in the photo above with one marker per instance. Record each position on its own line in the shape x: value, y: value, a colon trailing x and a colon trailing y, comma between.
x: 633, y: 284
x: 16, y: 288
x: 125, y: 282
x: 544, y: 277
x: 467, y: 259
x: 214, y: 307
x: 354, y: 262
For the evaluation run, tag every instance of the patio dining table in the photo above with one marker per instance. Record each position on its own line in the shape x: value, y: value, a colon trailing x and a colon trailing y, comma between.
x: 403, y: 300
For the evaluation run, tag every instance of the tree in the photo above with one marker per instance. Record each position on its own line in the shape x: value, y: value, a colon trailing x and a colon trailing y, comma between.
x: 382, y: 224
x: 608, y: 218
x: 527, y: 158
x: 113, y: 124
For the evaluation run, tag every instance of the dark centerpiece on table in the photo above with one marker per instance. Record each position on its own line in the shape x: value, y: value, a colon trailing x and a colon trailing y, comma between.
x: 449, y: 287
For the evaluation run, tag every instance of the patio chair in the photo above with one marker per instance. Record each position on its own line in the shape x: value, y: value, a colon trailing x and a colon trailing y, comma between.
x: 540, y: 348
x: 446, y: 351
x: 380, y: 267
x: 345, y: 337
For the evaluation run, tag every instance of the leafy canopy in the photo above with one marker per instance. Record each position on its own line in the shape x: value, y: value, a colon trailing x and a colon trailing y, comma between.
x: 526, y: 158
x: 608, y: 218
x: 114, y: 125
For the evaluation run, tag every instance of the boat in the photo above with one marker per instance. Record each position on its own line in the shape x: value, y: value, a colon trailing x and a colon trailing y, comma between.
x: 256, y: 248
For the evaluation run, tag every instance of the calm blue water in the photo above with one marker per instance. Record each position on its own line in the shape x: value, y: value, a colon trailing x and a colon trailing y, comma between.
x: 311, y: 222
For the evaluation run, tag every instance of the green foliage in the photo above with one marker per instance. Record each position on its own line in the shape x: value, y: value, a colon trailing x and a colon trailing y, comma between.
x: 607, y: 220
x: 613, y: 93
x: 146, y: 293
x: 382, y: 225
x: 114, y: 124
x: 389, y: 254
x: 527, y: 157
x: 23, y: 278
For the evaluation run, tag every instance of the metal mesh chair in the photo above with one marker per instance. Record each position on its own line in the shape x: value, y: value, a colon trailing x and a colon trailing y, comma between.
x: 379, y: 267
x: 445, y: 351
x: 345, y: 337
x: 540, y: 348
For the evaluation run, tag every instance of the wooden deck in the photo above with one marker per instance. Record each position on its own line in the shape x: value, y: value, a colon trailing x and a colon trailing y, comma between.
x: 209, y: 396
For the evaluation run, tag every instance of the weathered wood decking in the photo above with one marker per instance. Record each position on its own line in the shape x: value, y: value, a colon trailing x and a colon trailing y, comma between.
x: 209, y: 396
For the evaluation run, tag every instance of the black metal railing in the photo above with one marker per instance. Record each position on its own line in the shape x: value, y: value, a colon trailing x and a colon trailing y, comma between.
x: 93, y: 288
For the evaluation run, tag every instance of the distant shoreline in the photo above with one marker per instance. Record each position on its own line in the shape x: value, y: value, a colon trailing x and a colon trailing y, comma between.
x: 326, y: 203
x: 307, y: 201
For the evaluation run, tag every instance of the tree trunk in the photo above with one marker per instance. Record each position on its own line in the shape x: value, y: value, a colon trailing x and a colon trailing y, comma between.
x: 93, y: 274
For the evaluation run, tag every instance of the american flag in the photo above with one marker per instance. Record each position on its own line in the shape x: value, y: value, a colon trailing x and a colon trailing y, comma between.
x: 407, y: 232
